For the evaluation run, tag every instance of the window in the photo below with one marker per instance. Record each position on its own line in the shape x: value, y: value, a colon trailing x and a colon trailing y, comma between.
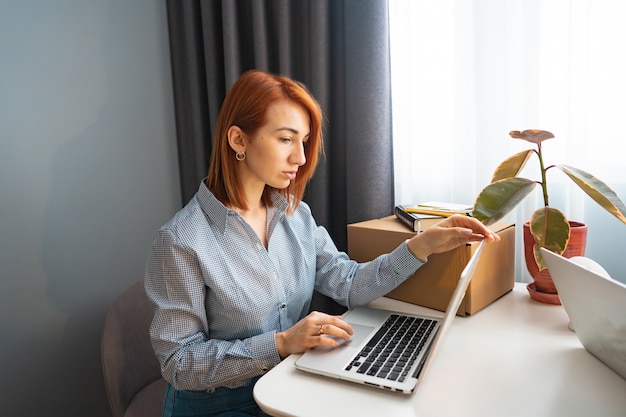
x: 465, y: 73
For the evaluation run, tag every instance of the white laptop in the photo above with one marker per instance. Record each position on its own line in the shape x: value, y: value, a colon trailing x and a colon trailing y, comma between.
x: 388, y: 361
x: 595, y: 304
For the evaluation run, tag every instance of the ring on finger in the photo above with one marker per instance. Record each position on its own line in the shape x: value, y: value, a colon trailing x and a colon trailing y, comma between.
x: 321, y: 331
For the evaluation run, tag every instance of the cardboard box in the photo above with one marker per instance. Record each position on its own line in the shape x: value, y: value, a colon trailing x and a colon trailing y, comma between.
x: 432, y: 285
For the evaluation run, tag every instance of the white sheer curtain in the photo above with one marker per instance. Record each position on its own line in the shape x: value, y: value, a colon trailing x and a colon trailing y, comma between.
x: 465, y: 73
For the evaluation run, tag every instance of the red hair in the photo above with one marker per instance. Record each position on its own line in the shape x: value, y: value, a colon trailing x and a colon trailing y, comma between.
x: 245, y: 106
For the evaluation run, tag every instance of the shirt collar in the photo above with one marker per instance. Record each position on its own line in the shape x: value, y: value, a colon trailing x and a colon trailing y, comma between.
x: 218, y: 213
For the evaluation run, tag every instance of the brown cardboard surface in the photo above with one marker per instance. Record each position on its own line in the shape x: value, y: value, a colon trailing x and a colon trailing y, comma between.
x: 432, y: 284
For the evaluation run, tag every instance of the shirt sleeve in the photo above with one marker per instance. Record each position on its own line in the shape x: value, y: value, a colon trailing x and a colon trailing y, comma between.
x: 190, y: 359
x: 351, y: 283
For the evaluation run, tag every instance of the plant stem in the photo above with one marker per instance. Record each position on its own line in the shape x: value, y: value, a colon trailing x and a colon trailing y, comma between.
x: 544, y: 186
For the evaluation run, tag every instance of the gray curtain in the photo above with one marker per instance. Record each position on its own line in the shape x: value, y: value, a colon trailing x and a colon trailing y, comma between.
x: 338, y: 48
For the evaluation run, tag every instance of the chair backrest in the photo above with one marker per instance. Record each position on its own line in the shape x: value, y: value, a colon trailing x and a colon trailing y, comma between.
x: 128, y: 361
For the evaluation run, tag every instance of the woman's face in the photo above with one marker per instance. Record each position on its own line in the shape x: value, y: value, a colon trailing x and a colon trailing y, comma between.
x: 276, y: 151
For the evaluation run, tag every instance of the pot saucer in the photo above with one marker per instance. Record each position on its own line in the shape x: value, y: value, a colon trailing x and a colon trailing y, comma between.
x: 541, y: 296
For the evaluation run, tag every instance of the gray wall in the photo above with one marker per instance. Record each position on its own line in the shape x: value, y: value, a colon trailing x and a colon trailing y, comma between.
x: 88, y: 172
x: 606, y: 236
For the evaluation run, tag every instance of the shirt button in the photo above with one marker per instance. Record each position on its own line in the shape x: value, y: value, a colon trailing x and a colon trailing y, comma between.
x: 283, y: 305
x: 265, y: 369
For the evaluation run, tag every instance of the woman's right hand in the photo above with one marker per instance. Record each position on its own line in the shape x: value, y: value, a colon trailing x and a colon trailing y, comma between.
x: 316, y: 329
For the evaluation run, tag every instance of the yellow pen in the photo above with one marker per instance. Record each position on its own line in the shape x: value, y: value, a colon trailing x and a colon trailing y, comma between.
x: 443, y: 213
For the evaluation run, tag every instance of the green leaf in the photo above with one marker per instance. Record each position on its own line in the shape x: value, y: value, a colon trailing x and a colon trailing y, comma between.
x: 511, y: 166
x: 551, y: 230
x: 498, y: 198
x: 597, y: 190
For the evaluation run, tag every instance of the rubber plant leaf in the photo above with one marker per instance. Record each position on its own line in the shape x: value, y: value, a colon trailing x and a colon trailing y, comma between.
x: 597, y: 190
x: 511, y: 166
x: 498, y: 198
x: 551, y: 230
x: 531, y: 135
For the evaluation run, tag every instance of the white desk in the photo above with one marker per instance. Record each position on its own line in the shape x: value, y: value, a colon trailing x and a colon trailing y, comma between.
x: 514, y: 358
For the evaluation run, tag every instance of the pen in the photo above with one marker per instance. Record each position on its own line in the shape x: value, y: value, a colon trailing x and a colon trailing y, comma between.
x: 443, y: 213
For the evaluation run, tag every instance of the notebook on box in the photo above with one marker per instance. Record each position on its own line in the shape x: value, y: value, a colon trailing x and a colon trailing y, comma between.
x: 400, y: 365
x: 595, y: 304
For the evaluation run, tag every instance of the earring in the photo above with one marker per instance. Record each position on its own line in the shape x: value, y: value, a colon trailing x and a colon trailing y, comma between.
x: 240, y: 156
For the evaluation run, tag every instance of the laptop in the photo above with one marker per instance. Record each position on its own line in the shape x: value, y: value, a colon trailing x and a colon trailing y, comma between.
x: 388, y: 350
x: 595, y: 304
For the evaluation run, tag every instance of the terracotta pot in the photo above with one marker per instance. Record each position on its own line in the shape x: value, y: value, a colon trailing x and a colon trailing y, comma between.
x: 543, y: 289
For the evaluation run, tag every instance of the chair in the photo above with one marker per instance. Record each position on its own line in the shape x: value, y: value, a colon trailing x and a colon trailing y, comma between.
x: 132, y: 374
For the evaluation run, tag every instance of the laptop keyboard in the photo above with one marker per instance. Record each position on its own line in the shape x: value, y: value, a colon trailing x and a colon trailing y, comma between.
x: 391, y: 352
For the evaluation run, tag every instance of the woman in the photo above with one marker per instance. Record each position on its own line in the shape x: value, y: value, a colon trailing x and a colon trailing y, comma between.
x: 232, y: 274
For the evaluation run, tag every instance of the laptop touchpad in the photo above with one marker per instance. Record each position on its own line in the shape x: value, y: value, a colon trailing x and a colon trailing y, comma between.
x: 360, y: 334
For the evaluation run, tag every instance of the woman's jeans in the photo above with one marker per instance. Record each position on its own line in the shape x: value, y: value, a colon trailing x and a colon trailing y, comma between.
x: 223, y: 402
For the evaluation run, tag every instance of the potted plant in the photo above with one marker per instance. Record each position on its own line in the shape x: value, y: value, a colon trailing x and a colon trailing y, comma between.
x: 548, y: 227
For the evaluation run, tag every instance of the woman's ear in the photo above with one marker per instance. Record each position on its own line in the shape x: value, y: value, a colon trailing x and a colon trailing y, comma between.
x: 236, y: 139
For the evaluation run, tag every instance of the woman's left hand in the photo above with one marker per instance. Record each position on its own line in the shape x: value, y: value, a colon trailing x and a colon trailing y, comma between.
x: 448, y: 234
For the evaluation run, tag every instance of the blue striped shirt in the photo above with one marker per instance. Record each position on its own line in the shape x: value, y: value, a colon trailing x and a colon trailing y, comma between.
x: 220, y: 296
